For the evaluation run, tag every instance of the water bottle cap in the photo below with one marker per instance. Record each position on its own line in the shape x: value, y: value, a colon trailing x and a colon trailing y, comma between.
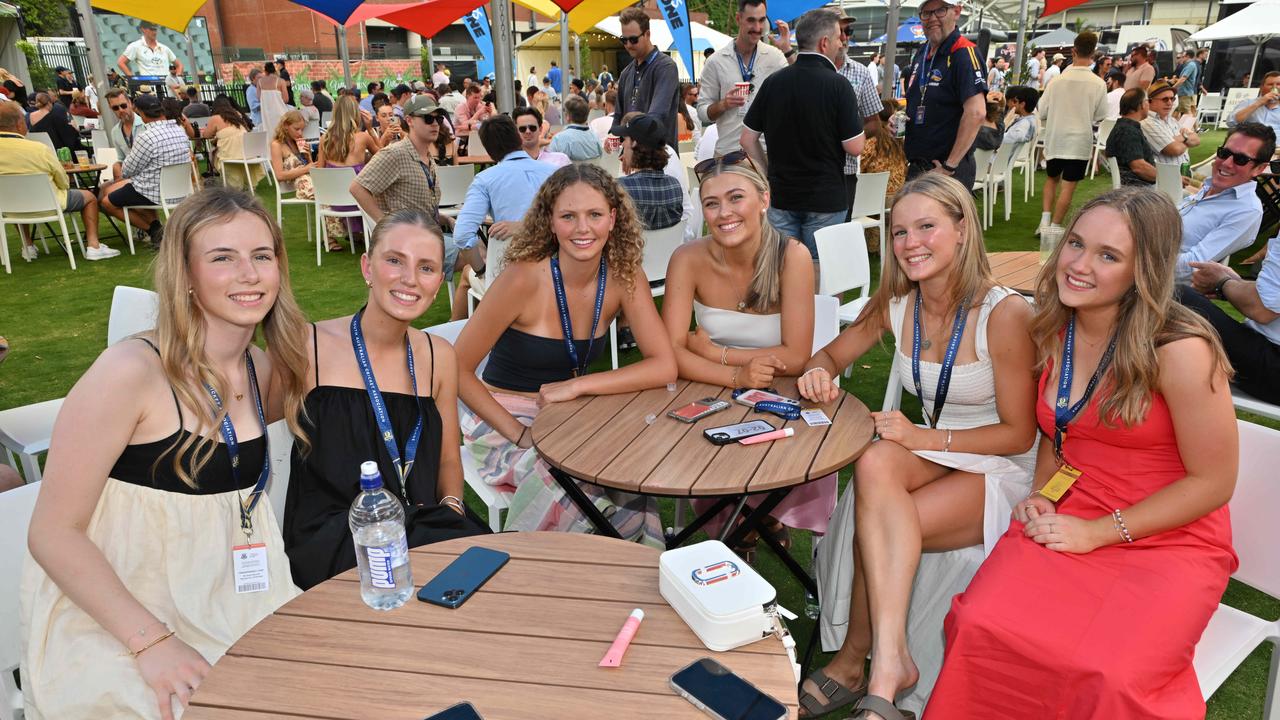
x: 370, y: 478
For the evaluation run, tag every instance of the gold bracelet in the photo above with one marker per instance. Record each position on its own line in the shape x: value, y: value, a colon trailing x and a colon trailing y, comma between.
x: 724, y: 355
x: 733, y: 381
x: 153, y: 643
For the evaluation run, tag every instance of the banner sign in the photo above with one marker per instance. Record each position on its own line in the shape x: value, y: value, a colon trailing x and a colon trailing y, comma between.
x: 477, y: 22
x: 676, y: 14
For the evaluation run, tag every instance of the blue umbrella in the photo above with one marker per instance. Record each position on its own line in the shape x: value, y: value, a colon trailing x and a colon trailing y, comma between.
x: 910, y: 31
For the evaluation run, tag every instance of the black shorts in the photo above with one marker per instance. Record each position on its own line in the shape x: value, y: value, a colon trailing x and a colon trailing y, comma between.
x: 1068, y: 170
x: 126, y: 196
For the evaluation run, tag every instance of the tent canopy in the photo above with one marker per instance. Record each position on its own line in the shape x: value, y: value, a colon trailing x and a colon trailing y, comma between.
x: 703, y: 36
x: 1259, y: 22
x: 1061, y: 37
x: 173, y: 14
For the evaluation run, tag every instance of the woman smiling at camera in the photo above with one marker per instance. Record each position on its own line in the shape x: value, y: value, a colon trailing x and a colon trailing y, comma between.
x: 360, y: 363
x: 133, y: 591
x: 574, y: 267
x: 1105, y: 580
x: 963, y: 347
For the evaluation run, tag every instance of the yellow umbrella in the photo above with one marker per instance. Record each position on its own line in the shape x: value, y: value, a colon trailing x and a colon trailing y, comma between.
x: 586, y: 14
x: 545, y: 8
x: 175, y: 14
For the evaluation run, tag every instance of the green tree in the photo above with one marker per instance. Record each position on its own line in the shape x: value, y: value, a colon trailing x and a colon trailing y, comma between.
x: 45, y: 17
x: 719, y: 14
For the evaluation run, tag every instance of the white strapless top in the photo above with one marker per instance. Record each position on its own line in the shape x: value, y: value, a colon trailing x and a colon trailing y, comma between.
x: 739, y: 329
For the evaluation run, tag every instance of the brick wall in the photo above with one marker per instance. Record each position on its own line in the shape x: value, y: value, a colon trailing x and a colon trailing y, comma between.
x: 322, y: 69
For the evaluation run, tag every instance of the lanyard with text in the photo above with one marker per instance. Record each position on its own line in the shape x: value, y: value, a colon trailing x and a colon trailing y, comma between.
x: 233, y: 448
x: 948, y: 360
x: 639, y: 76
x: 562, y: 303
x: 922, y: 79
x: 403, y: 466
x: 1064, y: 412
x: 748, y: 70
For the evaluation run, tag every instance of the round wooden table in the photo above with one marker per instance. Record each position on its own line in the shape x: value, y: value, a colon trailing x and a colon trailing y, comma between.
x: 525, y: 646
x: 1016, y: 270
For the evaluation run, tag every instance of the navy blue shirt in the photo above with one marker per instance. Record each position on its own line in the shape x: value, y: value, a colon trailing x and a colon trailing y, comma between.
x: 952, y: 75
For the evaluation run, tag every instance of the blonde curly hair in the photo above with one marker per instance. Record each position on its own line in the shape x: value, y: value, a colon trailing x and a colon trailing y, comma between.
x: 623, y: 250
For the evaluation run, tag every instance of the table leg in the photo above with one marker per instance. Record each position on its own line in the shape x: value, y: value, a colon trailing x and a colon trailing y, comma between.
x: 698, y: 522
x: 753, y: 521
x: 588, y: 508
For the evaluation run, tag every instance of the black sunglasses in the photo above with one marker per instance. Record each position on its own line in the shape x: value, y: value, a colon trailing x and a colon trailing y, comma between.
x: 630, y: 39
x: 428, y: 119
x: 119, y: 107
x: 737, y: 157
x: 1238, y: 157
x: 527, y: 128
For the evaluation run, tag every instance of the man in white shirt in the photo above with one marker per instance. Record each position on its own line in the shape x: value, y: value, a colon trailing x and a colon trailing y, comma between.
x: 148, y: 55
x: 1035, y: 69
x: 1265, y: 108
x: 439, y: 77
x: 1055, y: 68
x: 1115, y: 89
x: 1169, y: 140
x: 532, y: 80
x: 748, y: 59
x: 175, y: 83
x: 1071, y: 106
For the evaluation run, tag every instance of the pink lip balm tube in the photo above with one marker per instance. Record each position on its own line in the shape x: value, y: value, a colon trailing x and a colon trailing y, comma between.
x: 766, y: 437
x: 613, y: 658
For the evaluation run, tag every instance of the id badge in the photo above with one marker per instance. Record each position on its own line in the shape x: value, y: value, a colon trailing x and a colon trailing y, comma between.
x: 920, y: 114
x: 1061, y: 481
x: 250, y: 567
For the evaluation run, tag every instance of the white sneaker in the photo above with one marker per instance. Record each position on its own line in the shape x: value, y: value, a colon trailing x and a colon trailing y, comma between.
x: 29, y: 252
x: 102, y: 252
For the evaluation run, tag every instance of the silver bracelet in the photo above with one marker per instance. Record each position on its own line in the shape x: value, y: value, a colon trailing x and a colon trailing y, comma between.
x: 947, y: 447
x: 445, y: 501
x: 816, y: 367
x: 1118, y: 520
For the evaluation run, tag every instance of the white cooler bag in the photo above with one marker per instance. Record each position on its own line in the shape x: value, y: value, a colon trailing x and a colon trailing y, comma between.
x: 722, y: 599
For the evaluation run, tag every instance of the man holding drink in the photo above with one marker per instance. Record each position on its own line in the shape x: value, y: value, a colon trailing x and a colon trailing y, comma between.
x: 734, y: 71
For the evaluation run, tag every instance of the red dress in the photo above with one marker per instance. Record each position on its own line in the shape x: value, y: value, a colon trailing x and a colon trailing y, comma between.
x: 1109, y: 634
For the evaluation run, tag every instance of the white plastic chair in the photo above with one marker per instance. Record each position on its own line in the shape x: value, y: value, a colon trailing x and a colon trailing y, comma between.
x: 982, y: 173
x: 492, y: 266
x: 1169, y: 181
x: 287, y: 194
x: 1248, y: 403
x: 868, y: 203
x: 844, y: 265
x: 133, y: 310
x: 1114, y: 166
x: 28, y: 200
x: 826, y: 320
x: 1000, y: 177
x: 15, y: 518
x: 106, y: 156
x: 325, y: 118
x: 495, y: 501
x: 257, y: 151
x: 608, y: 162
x: 44, y: 139
x: 1100, y: 145
x: 333, y: 189
x: 1209, y: 109
x: 1233, y: 634
x: 454, y: 181
x: 311, y: 131
x: 175, y: 186
x: 658, y: 247
x: 280, y: 439
x: 1025, y: 160
x: 99, y: 139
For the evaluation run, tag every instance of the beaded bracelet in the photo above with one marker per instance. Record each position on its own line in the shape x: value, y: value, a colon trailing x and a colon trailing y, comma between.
x: 1118, y: 520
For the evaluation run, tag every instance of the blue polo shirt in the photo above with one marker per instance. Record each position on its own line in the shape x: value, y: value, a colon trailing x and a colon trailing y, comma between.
x: 944, y: 80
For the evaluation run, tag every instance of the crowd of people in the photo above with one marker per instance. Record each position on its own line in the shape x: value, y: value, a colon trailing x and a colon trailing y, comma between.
x: 1076, y: 452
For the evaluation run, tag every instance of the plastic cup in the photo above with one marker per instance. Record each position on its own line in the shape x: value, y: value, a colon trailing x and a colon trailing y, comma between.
x: 743, y: 89
x: 82, y: 157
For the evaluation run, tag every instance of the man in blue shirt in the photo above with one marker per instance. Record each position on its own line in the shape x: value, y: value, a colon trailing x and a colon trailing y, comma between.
x: 1265, y: 108
x: 251, y: 98
x: 556, y: 78
x: 503, y: 192
x: 1225, y: 215
x: 1188, y: 84
x: 576, y: 139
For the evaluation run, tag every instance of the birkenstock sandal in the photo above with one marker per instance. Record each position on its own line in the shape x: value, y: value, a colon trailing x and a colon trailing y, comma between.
x: 881, y: 707
x: 833, y: 695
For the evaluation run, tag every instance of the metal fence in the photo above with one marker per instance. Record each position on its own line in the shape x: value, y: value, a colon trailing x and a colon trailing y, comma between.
x: 66, y: 53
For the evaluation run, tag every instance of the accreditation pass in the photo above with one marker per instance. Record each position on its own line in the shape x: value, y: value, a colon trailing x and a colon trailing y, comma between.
x: 250, y: 565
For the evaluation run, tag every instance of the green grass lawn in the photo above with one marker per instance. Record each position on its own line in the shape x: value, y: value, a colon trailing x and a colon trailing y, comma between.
x: 56, y: 322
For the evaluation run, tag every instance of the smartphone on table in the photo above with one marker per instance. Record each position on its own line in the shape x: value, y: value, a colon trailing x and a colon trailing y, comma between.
x: 463, y: 577
x: 753, y: 396
x: 695, y: 411
x: 726, y: 434
x: 721, y: 694
x: 461, y: 711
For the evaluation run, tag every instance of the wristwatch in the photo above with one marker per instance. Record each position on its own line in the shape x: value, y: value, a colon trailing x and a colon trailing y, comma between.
x: 949, y: 168
x: 789, y: 53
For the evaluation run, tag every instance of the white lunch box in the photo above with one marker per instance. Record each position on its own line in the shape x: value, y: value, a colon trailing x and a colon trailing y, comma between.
x: 721, y: 598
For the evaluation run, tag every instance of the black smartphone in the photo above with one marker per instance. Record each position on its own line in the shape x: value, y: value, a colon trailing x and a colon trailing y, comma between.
x: 463, y: 577
x: 726, y: 434
x: 461, y: 711
x: 721, y: 694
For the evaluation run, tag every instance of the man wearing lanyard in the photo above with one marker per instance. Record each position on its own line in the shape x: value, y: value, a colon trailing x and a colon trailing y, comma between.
x: 748, y: 59
x: 650, y: 84
x: 946, y: 97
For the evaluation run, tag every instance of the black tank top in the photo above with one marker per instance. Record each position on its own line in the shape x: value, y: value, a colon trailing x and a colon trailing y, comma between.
x: 524, y: 363
x: 151, y: 464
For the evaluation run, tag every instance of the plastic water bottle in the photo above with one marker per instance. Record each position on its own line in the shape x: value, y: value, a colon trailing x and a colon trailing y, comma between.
x: 382, y: 552
x: 811, y: 607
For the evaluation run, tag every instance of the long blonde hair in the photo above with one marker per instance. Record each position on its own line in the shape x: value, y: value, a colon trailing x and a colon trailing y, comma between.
x: 344, y: 125
x: 287, y: 121
x: 970, y: 271
x: 765, y: 291
x: 180, y: 327
x: 624, y: 249
x: 1148, y: 317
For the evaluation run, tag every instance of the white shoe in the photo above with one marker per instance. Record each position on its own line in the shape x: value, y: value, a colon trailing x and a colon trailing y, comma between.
x: 29, y: 252
x: 102, y: 252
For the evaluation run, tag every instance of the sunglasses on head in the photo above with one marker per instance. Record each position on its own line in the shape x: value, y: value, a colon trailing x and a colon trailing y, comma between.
x: 527, y: 128
x: 710, y: 165
x: 630, y: 39
x: 1238, y: 158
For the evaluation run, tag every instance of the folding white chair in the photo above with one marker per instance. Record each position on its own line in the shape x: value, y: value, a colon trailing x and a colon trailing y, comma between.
x: 107, y: 156
x: 257, y: 151
x: 287, y: 194
x: 495, y: 501
x: 1232, y: 634
x: 44, y: 139
x: 333, y: 190
x: 1114, y: 166
x: 311, y: 131
x: 1209, y: 109
x: 133, y: 310
x: 1025, y: 160
x: 1100, y: 145
x: 28, y: 200
x: 826, y: 321
x: 658, y: 247
x: 175, y: 186
x: 843, y: 265
x: 999, y: 178
x: 982, y: 171
x: 15, y: 518
x: 454, y: 181
x: 1169, y: 181
x: 868, y: 203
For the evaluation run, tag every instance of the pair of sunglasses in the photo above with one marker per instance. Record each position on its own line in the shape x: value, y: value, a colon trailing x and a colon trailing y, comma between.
x: 527, y: 128
x: 710, y: 165
x: 1238, y: 157
x: 630, y: 39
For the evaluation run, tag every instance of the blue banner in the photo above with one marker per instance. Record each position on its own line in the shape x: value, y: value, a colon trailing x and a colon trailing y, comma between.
x: 477, y: 22
x: 676, y: 14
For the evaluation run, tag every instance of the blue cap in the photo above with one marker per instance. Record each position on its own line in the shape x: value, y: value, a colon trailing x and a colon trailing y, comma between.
x: 370, y: 478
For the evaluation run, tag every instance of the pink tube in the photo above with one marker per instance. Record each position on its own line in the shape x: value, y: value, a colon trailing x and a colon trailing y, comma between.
x: 613, y: 658
x: 766, y: 437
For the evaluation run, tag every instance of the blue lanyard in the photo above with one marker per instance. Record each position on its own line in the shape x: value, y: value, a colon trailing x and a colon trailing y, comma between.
x: 233, y: 447
x: 784, y: 410
x: 948, y: 360
x: 425, y: 171
x: 403, y: 468
x: 747, y: 69
x: 557, y: 281
x: 1062, y: 413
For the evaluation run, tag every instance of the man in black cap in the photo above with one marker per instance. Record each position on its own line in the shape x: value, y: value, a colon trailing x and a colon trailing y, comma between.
x: 658, y: 197
x: 66, y: 85
x: 150, y: 56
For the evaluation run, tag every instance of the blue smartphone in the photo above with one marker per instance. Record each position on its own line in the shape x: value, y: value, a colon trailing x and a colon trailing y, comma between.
x: 453, y: 585
x: 461, y: 711
x: 715, y: 690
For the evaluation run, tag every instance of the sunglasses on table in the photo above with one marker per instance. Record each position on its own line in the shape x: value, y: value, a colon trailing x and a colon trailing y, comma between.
x: 710, y: 165
x: 630, y: 39
x: 1238, y: 158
